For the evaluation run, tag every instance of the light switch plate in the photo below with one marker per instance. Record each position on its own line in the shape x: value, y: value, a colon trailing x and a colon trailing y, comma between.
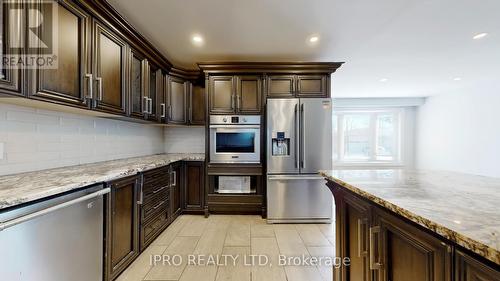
x: 1, y: 150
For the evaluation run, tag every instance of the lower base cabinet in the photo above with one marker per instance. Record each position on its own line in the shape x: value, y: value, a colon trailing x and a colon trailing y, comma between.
x: 121, y: 226
x: 194, y: 193
x: 385, y: 247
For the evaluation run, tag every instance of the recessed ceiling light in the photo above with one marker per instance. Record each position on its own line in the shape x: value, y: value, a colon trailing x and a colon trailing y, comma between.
x: 197, y: 39
x: 480, y: 35
x: 457, y: 78
x: 313, y: 39
x: 457, y: 221
x: 384, y: 80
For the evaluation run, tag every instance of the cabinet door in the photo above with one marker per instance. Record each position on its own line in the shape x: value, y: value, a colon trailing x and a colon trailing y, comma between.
x: 197, y: 105
x: 354, y: 217
x: 176, y: 182
x: 195, y: 182
x: 154, y: 91
x: 177, y: 101
x: 109, y: 57
x: 222, y: 94
x: 312, y: 86
x: 403, y: 252
x: 11, y: 33
x: 69, y: 82
x: 280, y: 86
x: 249, y: 94
x: 137, y: 74
x: 122, y: 226
x: 469, y: 269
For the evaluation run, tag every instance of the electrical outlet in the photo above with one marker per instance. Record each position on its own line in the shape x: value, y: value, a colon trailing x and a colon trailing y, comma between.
x: 1, y: 150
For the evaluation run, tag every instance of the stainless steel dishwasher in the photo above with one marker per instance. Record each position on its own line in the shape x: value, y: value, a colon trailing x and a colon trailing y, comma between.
x: 58, y: 239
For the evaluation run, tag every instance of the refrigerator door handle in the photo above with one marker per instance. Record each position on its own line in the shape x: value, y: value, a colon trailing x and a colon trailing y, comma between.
x: 296, y: 148
x: 303, y: 139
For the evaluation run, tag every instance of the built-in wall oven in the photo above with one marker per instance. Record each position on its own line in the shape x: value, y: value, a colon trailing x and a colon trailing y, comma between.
x: 234, y: 139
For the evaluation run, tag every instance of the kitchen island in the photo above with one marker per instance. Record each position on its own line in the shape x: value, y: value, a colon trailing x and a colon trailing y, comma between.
x: 399, y: 224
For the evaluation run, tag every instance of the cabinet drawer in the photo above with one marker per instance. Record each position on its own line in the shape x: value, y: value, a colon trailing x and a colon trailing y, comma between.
x: 155, y: 204
x: 152, y: 228
x: 153, y: 189
x: 154, y: 175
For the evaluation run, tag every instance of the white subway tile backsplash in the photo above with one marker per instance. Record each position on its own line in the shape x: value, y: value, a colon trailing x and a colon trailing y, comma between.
x: 36, y: 139
x: 185, y: 140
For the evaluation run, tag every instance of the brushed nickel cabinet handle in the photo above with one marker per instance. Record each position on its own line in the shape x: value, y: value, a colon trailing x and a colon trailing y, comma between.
x: 375, y: 263
x: 163, y: 110
x: 150, y: 105
x: 362, y: 223
x: 141, y: 195
x: 158, y: 205
x: 145, y: 105
x: 159, y: 189
x: 90, y: 86
x: 99, y: 81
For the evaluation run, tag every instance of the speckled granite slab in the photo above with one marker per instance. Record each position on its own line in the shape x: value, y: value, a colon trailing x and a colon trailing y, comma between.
x: 462, y: 208
x: 21, y: 188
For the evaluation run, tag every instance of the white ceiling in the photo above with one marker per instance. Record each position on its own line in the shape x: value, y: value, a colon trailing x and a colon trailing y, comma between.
x: 418, y: 45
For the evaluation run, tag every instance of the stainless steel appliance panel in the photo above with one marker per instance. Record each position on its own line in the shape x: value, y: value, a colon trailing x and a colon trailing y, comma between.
x: 283, y: 116
x: 298, y: 198
x: 316, y: 135
x: 55, y: 240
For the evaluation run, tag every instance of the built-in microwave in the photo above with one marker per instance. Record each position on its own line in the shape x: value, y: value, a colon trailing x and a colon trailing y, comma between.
x: 234, y: 139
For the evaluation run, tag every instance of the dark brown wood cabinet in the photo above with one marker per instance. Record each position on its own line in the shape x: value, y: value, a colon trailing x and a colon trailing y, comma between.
x: 240, y: 94
x: 468, y: 268
x: 69, y: 82
x: 194, y: 194
x: 176, y: 190
x: 177, y: 100
x: 353, y: 223
x: 11, y: 79
x: 121, y: 226
x: 304, y: 85
x: 137, y: 75
x: 155, y: 92
x: 155, y: 204
x: 400, y: 251
x: 109, y: 57
x: 197, y: 105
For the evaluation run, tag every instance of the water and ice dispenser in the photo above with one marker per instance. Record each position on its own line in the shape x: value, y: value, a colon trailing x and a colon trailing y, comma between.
x: 280, y: 144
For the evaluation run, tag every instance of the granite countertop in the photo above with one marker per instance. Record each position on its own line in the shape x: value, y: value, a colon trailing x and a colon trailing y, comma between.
x: 462, y: 208
x: 26, y: 187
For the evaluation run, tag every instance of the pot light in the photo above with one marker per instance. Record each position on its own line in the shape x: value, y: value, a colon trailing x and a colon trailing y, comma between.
x: 197, y: 39
x: 457, y: 79
x: 480, y: 35
x: 384, y: 80
x: 313, y: 39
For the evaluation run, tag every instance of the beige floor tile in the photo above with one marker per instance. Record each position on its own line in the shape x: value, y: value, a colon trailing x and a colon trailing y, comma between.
x: 261, y: 230
x: 290, y: 243
x: 280, y: 226
x: 302, y: 273
x: 199, y: 273
x: 331, y: 239
x: 238, y: 233
x: 211, y: 242
x: 140, y: 267
x: 237, y: 271
x: 327, y: 229
x: 171, y: 232
x: 325, y: 271
x: 269, y: 247
x: 195, y: 227
x: 180, y: 246
x: 311, y: 235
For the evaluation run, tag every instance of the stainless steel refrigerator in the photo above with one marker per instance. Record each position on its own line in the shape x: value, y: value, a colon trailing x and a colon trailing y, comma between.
x: 299, y: 144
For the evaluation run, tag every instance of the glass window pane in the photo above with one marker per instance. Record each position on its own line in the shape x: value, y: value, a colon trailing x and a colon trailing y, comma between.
x: 386, y: 138
x: 357, y: 137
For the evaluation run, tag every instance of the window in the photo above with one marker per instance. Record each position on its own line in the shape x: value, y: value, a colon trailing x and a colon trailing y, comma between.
x: 367, y: 136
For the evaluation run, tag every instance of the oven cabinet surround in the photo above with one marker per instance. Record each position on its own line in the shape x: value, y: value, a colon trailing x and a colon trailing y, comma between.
x: 384, y: 247
x: 300, y: 86
x: 235, y: 94
x: 121, y: 225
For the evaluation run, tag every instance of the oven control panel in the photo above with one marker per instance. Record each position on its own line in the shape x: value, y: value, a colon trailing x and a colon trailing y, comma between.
x: 235, y: 119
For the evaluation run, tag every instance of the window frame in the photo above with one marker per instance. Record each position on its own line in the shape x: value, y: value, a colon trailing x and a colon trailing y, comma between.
x: 339, y: 139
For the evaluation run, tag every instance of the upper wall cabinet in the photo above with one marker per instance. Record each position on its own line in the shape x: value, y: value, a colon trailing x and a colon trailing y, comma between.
x: 70, y: 82
x: 307, y: 85
x: 241, y: 94
x: 11, y: 32
x: 154, y: 91
x: 177, y: 100
x: 109, y: 57
x: 197, y: 108
x: 137, y: 90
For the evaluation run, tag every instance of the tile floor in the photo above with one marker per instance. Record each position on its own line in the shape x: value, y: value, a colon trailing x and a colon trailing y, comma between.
x: 238, y: 236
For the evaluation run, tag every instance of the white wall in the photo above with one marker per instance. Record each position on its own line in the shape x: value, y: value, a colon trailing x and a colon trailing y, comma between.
x: 460, y: 132
x: 185, y: 140
x: 35, y: 139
